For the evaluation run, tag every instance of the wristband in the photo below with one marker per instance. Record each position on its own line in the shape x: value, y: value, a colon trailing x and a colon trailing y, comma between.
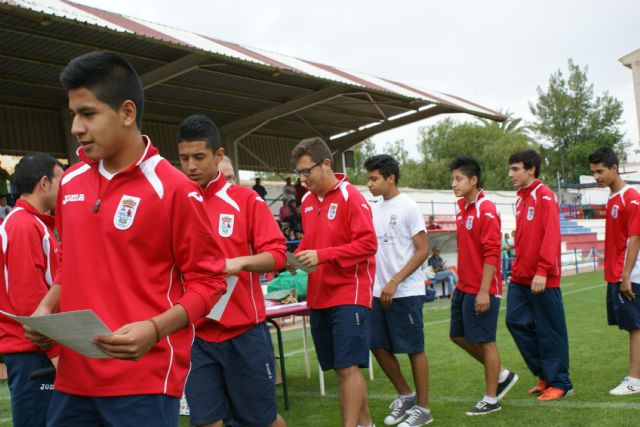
x: 394, y: 281
x: 155, y: 326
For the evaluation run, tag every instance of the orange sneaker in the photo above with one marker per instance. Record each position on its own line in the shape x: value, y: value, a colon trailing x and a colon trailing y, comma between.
x: 552, y: 393
x: 539, y: 388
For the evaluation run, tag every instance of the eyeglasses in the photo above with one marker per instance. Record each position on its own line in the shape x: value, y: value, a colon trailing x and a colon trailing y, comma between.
x: 306, y: 171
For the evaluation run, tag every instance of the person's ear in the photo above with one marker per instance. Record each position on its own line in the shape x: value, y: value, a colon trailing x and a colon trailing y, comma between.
x: 128, y: 113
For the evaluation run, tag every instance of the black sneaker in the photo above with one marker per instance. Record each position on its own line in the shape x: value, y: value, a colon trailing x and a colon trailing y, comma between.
x: 483, y: 408
x: 506, y: 385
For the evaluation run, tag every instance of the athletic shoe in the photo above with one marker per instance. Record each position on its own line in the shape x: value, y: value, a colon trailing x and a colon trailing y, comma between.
x: 553, y: 393
x: 417, y: 417
x: 539, y: 388
x: 399, y: 408
x: 483, y: 408
x: 507, y: 384
x: 626, y: 387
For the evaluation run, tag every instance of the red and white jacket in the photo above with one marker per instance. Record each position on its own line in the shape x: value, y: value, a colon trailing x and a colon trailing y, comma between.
x: 622, y: 222
x: 243, y: 225
x: 148, y: 246
x: 340, y: 227
x: 30, y: 253
x: 537, y: 241
x: 479, y: 243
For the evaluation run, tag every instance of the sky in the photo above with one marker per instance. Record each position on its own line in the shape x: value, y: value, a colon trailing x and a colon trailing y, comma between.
x: 495, y: 53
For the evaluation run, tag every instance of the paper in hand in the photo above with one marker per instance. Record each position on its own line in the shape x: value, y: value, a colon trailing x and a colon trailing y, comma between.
x: 218, y: 309
x: 73, y: 329
x: 291, y: 259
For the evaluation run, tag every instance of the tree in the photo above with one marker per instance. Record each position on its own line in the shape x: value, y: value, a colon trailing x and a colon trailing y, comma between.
x: 362, y: 151
x: 574, y: 122
x: 491, y: 146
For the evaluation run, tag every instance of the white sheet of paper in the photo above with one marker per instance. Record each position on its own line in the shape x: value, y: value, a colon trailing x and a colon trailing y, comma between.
x: 218, y: 309
x: 291, y: 259
x: 73, y: 329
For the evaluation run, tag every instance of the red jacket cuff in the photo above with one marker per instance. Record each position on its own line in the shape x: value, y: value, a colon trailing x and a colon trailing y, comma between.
x: 280, y: 260
x: 53, y: 351
x: 541, y: 272
x: 323, y: 255
x: 492, y: 260
x: 194, y: 304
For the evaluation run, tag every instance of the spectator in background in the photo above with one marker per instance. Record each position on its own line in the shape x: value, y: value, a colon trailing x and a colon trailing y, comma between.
x: 294, y: 219
x: 4, y: 207
x: 442, y: 273
x: 258, y: 188
x: 285, y: 211
x: 288, y: 191
x: 507, y: 256
x: 226, y: 168
x: 300, y: 190
x: 432, y: 224
x: 4, y: 178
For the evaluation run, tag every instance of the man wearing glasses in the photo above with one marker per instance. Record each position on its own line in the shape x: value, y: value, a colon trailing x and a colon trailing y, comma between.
x: 339, y: 239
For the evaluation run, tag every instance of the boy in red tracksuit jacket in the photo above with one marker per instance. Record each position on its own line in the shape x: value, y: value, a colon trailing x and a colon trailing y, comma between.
x: 232, y: 360
x: 30, y: 254
x: 535, y: 312
x: 138, y: 251
x: 475, y: 303
x: 621, y: 261
x: 339, y: 239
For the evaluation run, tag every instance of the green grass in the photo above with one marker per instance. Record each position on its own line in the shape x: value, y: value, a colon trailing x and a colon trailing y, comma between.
x: 599, y: 360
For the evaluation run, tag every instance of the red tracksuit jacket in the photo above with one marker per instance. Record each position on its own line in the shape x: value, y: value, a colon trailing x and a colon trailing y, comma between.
x: 340, y: 228
x: 148, y: 247
x: 30, y: 253
x: 622, y: 222
x: 479, y: 243
x: 243, y: 225
x: 537, y: 241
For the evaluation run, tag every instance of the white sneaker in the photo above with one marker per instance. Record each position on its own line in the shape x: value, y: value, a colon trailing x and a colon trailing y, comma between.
x: 625, y: 387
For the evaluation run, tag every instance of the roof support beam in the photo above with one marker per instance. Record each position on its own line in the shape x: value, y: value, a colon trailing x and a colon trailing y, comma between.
x: 173, y: 69
x: 246, y: 126
x: 348, y: 141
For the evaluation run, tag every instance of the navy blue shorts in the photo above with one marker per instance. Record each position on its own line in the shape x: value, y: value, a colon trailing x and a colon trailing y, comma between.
x: 69, y: 410
x: 342, y: 336
x: 399, y: 327
x: 621, y: 311
x: 236, y: 377
x: 475, y: 328
x: 29, y: 397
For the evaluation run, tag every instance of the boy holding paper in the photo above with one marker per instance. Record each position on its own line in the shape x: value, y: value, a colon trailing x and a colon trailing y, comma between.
x: 29, y: 262
x: 139, y: 252
x: 232, y: 360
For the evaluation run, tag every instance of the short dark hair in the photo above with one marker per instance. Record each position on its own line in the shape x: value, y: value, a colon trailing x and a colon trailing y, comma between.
x: 315, y: 148
x: 604, y: 155
x: 31, y: 168
x: 199, y: 127
x: 385, y: 164
x: 468, y: 166
x: 110, y: 77
x: 529, y: 158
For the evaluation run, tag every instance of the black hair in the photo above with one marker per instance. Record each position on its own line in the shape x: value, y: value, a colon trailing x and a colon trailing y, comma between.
x: 198, y: 127
x: 315, y: 148
x: 110, y: 77
x: 385, y: 164
x: 604, y: 155
x: 468, y: 166
x: 529, y: 158
x: 31, y: 168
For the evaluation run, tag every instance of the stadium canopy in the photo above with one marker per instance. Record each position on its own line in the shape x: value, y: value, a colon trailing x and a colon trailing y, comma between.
x: 263, y: 102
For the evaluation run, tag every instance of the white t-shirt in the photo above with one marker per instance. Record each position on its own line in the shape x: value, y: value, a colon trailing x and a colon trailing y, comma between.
x: 396, y: 221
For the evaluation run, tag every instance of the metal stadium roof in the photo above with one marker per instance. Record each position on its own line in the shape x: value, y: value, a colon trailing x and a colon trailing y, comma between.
x: 264, y: 102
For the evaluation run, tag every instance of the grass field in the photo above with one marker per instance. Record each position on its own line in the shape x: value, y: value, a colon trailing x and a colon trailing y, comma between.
x: 599, y: 360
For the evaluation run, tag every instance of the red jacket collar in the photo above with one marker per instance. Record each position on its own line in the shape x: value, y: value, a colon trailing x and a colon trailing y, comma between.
x: 462, y: 203
x: 341, y: 178
x: 215, y: 185
x: 48, y: 220
x: 524, y: 192
x: 149, y: 151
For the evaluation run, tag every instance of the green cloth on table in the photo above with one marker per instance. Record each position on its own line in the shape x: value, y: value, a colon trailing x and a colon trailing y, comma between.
x: 286, y: 280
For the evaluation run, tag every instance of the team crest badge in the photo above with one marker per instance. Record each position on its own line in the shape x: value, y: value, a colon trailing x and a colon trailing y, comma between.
x: 225, y: 226
x: 126, y: 212
x: 394, y: 219
x: 333, y: 208
x: 469, y: 224
x: 530, y: 213
x: 614, y: 212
